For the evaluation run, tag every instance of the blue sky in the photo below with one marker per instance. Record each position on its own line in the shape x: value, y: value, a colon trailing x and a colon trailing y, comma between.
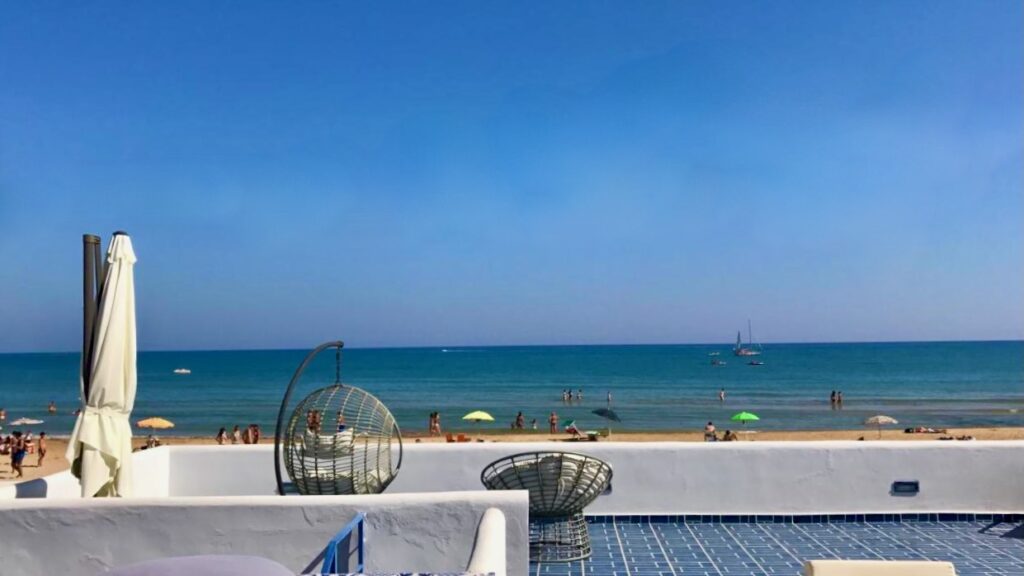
x: 440, y: 173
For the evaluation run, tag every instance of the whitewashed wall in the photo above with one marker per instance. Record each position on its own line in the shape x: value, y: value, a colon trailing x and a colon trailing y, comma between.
x: 761, y: 477
x: 655, y: 478
x: 150, y: 475
x: 430, y: 532
x: 210, y: 499
x: 692, y: 478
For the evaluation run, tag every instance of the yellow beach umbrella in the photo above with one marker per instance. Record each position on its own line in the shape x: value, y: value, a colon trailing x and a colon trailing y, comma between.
x: 478, y: 416
x: 156, y: 423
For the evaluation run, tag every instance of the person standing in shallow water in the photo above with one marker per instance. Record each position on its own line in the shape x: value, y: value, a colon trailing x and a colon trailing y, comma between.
x: 721, y: 395
x: 832, y: 399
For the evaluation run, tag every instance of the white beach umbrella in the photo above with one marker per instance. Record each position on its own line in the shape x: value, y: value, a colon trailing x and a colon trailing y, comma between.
x: 880, y: 420
x: 101, y: 444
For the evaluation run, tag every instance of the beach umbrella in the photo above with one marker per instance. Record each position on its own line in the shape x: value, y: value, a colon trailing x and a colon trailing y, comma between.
x: 744, y: 417
x: 880, y: 420
x: 478, y: 416
x: 609, y: 415
x: 26, y: 422
x: 100, y: 447
x: 155, y: 423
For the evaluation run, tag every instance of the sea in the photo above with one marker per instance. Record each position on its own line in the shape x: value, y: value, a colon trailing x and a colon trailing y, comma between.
x: 655, y: 387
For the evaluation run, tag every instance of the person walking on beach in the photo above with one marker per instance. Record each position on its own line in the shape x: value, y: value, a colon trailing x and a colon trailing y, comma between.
x: 553, y: 423
x: 256, y: 433
x: 17, y: 453
x: 520, y: 421
x: 222, y: 436
x: 236, y: 435
x: 42, y: 449
x: 533, y: 424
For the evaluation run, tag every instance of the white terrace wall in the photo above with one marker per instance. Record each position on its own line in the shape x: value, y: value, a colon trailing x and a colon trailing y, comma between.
x: 428, y: 532
x: 650, y: 478
x: 691, y: 478
x: 760, y: 477
x: 150, y: 477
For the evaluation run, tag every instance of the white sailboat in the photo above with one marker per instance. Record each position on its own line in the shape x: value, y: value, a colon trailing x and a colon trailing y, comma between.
x: 749, y: 350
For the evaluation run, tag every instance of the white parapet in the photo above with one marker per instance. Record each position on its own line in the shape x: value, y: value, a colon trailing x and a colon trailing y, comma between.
x: 489, y: 549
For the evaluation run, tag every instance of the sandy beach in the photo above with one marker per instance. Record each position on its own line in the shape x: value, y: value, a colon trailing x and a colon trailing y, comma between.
x: 55, y: 461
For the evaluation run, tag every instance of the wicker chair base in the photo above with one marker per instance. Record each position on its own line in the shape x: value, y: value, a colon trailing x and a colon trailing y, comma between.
x: 559, y: 539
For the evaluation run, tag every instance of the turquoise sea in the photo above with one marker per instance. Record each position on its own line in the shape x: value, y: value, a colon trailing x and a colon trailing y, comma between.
x: 654, y: 387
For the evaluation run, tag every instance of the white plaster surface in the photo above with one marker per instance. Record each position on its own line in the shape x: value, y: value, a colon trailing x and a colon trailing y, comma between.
x: 429, y: 532
x: 760, y: 477
x: 489, y: 550
x: 211, y: 499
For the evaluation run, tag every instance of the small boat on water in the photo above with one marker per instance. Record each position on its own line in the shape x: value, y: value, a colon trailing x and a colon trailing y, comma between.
x: 755, y: 363
x: 717, y: 362
x: 740, y: 350
x: 182, y: 371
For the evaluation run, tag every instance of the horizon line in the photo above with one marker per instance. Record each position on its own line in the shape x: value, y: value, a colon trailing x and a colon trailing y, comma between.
x: 578, y: 345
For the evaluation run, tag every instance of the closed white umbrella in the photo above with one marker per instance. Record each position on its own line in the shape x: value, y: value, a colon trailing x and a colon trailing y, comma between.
x: 101, y: 445
x: 880, y: 420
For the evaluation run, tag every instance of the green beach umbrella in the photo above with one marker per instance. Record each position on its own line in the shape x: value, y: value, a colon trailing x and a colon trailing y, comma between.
x: 744, y: 417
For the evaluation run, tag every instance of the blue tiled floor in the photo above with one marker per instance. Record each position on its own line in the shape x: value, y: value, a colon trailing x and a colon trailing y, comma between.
x: 638, y: 548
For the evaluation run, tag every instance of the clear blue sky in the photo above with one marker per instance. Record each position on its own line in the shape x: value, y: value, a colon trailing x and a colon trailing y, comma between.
x: 441, y: 173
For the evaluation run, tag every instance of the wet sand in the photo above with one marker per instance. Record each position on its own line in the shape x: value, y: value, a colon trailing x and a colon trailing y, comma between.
x: 55, y: 461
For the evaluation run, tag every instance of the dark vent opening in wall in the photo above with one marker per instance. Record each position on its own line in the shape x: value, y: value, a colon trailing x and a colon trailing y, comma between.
x: 905, y: 487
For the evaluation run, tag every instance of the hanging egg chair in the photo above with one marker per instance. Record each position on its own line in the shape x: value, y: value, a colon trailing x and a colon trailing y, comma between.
x: 340, y: 439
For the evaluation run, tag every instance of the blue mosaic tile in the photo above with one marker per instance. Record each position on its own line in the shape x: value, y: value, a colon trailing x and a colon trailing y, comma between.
x: 978, y: 544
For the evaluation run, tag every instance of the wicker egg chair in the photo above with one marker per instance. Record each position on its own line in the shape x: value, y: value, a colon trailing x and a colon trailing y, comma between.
x: 339, y: 439
x: 561, y: 485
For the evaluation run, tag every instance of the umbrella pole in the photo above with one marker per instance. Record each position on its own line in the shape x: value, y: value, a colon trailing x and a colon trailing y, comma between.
x: 90, y: 257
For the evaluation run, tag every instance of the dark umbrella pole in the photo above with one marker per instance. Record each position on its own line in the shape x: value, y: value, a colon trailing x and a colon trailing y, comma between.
x: 90, y: 294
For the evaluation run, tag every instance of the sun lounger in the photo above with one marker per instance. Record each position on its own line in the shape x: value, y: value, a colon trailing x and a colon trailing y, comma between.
x: 449, y: 438
x: 464, y: 438
x: 878, y: 568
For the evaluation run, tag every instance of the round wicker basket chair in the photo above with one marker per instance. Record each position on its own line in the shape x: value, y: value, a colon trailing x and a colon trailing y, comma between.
x: 339, y: 439
x: 561, y: 485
